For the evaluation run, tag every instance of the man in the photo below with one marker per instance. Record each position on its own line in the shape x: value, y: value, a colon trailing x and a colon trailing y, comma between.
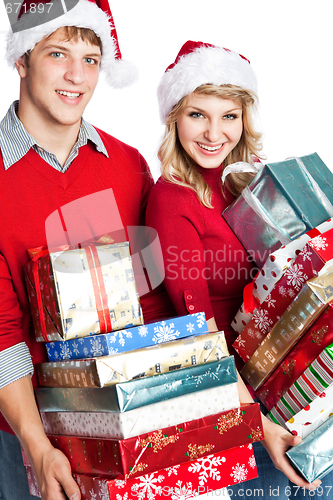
x: 51, y: 158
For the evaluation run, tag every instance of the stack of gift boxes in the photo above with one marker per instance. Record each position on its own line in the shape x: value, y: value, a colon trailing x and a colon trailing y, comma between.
x: 139, y: 409
x: 285, y: 325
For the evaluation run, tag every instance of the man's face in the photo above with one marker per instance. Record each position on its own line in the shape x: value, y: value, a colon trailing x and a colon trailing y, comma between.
x: 60, y: 79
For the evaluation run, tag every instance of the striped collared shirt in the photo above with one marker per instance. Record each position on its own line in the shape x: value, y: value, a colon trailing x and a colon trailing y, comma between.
x: 15, y: 141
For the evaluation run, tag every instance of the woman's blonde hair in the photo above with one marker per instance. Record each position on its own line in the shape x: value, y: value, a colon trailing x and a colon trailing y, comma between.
x: 179, y: 168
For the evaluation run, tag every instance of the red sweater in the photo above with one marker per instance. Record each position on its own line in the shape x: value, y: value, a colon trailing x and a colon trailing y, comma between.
x: 206, y: 267
x: 31, y: 190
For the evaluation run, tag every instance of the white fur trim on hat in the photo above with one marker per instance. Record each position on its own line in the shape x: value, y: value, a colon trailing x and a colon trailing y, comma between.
x: 205, y: 65
x: 85, y: 14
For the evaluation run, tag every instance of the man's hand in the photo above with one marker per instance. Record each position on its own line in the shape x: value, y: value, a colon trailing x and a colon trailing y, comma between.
x: 53, y: 474
x: 52, y: 469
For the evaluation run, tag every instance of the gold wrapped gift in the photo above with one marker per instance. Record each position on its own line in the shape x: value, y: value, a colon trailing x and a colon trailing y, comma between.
x: 145, y: 362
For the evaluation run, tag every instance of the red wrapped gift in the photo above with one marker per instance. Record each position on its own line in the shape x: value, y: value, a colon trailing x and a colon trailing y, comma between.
x: 308, y: 263
x: 188, y: 480
x: 319, y: 336
x: 194, y: 439
x: 165, y: 447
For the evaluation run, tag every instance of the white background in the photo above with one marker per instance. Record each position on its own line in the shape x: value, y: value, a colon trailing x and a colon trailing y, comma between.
x: 289, y: 44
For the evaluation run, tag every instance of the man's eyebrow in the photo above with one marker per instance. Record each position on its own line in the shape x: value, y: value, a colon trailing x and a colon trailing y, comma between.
x: 62, y: 48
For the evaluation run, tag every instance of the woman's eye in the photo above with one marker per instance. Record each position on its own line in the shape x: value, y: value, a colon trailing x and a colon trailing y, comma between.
x: 231, y: 116
x: 196, y: 115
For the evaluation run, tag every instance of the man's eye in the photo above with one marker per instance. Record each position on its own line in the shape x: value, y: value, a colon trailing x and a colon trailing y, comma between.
x: 89, y: 60
x: 57, y: 55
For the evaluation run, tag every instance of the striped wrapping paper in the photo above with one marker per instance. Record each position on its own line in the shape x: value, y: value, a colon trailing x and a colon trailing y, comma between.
x: 316, y: 378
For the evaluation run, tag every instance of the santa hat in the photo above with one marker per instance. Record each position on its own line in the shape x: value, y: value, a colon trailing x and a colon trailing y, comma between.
x: 36, y: 20
x: 199, y: 63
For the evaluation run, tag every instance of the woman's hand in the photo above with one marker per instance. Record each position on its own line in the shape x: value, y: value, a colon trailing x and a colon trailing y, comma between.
x: 277, y: 441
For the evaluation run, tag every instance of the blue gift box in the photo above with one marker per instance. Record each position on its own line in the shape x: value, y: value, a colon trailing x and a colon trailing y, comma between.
x: 283, y: 201
x: 127, y: 396
x: 129, y: 339
x: 313, y: 456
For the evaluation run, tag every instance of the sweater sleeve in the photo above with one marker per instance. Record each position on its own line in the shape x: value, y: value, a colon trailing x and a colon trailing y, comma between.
x: 10, y: 313
x: 172, y: 212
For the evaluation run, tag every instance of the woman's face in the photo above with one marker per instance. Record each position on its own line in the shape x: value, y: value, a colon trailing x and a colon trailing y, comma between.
x: 209, y: 128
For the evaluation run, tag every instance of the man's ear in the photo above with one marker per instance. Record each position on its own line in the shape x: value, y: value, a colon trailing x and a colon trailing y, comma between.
x: 21, y: 66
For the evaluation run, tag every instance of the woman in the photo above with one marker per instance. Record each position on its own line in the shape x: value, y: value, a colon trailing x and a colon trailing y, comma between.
x: 207, y: 99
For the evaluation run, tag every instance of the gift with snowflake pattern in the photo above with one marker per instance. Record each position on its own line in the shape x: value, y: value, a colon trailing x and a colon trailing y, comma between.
x: 312, y: 300
x: 284, y: 200
x: 137, y: 393
x: 272, y: 271
x: 180, y: 482
x: 319, y: 336
x: 140, y: 363
x: 311, y: 260
x: 128, y: 339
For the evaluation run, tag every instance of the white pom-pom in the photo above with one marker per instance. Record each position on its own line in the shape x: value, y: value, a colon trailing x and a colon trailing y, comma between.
x: 121, y: 74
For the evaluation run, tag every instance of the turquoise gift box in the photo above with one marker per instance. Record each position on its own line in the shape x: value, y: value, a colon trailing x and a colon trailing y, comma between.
x: 133, y: 394
x: 313, y: 456
x: 129, y: 339
x: 283, y: 201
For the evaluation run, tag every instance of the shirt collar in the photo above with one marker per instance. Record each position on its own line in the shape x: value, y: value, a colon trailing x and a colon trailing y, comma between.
x: 15, y: 141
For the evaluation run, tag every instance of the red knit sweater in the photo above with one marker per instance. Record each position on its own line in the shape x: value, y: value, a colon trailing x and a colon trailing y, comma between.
x: 31, y: 190
x: 206, y: 267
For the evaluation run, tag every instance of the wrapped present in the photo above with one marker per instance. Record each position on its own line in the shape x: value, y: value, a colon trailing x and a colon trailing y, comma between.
x: 163, y: 448
x: 197, y: 479
x: 319, y: 336
x: 145, y: 362
x: 81, y: 292
x: 313, y: 456
x: 316, y: 255
x: 128, y: 339
x: 284, y: 200
x: 313, y: 415
x: 271, y: 272
x: 115, y: 425
x: 313, y: 382
x: 190, y: 440
x: 126, y: 396
x: 312, y: 300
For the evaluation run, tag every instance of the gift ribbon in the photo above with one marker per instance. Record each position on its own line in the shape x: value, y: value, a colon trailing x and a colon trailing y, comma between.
x: 97, y: 281
x: 101, y: 299
x: 240, y: 167
x: 250, y: 302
